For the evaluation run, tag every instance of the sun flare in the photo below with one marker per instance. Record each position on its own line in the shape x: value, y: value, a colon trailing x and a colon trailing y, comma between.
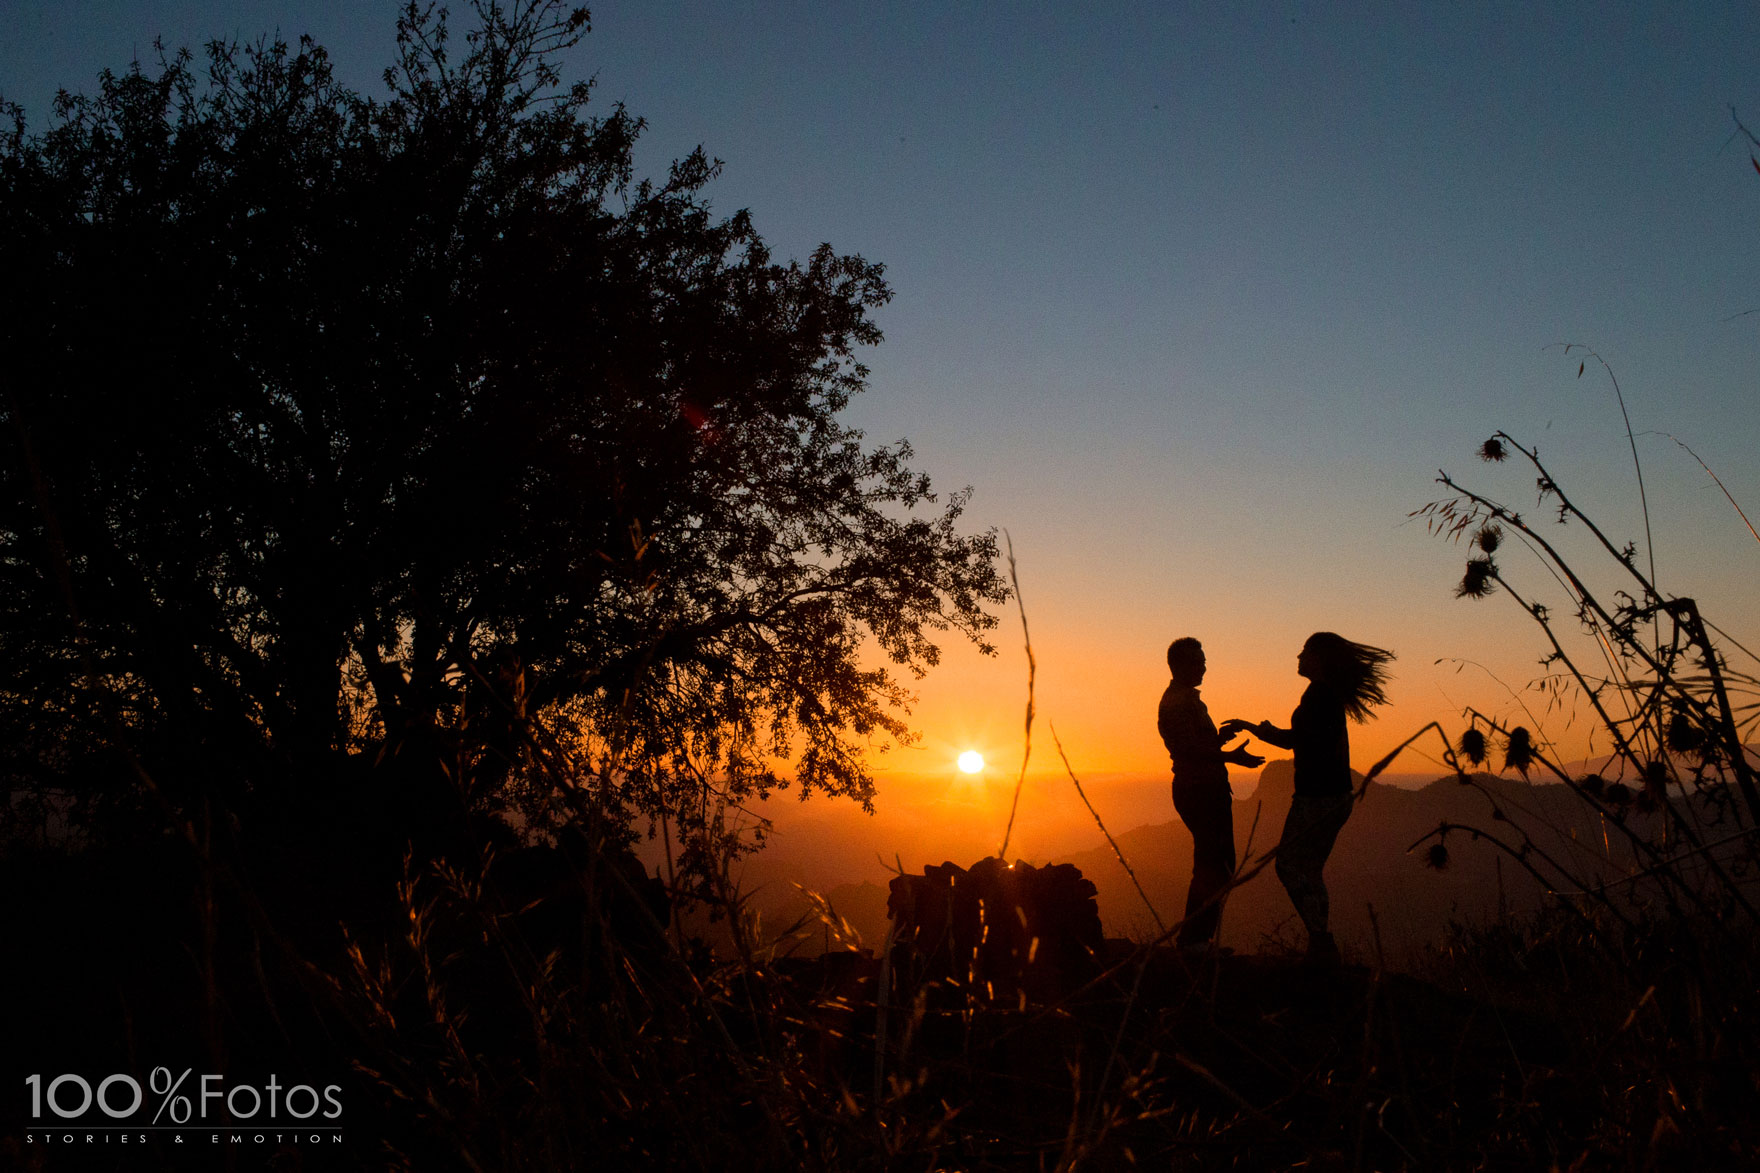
x: 971, y: 762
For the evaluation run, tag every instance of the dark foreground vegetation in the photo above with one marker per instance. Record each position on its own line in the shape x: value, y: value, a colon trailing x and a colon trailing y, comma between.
x: 403, y: 509
x: 467, y: 1030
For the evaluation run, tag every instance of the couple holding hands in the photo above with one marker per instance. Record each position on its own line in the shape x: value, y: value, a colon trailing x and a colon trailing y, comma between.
x: 1345, y: 680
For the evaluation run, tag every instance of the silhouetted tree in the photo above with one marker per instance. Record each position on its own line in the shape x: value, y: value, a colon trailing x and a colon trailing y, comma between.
x: 414, y: 443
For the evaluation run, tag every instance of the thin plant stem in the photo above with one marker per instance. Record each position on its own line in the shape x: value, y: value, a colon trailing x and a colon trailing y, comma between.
x: 1111, y: 842
x: 1032, y: 670
x: 1719, y: 481
x: 1637, y: 465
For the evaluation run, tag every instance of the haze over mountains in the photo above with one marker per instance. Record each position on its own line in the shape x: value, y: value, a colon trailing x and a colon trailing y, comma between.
x: 1371, y: 865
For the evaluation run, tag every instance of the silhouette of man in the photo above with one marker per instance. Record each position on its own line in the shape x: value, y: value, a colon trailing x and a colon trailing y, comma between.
x: 1200, y: 789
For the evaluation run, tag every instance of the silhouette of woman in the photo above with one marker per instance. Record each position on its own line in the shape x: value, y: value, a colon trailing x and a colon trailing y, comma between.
x: 1346, y: 680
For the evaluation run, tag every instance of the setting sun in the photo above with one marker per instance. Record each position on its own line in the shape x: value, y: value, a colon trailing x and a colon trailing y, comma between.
x: 971, y: 761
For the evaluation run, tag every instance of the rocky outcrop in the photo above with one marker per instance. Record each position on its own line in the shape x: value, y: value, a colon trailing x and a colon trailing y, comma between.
x: 998, y: 931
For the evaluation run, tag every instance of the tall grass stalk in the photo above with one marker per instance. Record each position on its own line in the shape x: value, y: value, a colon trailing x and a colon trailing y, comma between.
x: 1032, y: 672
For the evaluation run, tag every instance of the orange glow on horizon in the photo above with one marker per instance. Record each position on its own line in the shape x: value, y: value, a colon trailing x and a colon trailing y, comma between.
x: 1100, y: 700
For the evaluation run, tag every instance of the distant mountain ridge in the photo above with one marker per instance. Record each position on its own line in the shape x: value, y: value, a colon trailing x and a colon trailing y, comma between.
x: 1370, y: 866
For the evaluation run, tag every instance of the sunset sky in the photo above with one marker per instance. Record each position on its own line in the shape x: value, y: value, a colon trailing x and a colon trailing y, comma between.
x: 1199, y: 298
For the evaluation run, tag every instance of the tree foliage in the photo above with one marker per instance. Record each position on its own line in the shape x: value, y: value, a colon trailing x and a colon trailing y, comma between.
x: 413, y: 441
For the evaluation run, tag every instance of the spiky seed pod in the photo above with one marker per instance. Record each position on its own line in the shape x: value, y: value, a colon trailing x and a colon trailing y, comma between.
x: 1489, y: 537
x: 1618, y: 794
x: 1683, y: 736
x: 1437, y: 856
x: 1492, y: 450
x: 1478, y: 580
x: 1518, y: 751
x: 1472, y: 746
x: 1593, y: 784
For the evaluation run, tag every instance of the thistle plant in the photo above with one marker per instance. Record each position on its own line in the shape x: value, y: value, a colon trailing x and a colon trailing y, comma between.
x: 1675, y: 709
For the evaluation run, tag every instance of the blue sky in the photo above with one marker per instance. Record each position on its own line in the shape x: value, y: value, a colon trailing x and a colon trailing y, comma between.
x: 1199, y: 297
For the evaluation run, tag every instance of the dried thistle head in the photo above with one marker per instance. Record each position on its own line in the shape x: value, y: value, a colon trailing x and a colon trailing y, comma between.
x: 1592, y: 784
x: 1618, y: 794
x: 1518, y: 751
x: 1683, y: 736
x: 1479, y: 579
x: 1437, y: 856
x: 1472, y: 746
x: 1489, y: 537
x: 1492, y: 450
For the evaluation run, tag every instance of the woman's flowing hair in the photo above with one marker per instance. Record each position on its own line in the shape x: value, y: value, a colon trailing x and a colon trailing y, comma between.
x: 1356, y: 672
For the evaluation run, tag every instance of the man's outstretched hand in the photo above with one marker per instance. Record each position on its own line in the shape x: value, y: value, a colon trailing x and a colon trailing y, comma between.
x: 1240, y: 756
